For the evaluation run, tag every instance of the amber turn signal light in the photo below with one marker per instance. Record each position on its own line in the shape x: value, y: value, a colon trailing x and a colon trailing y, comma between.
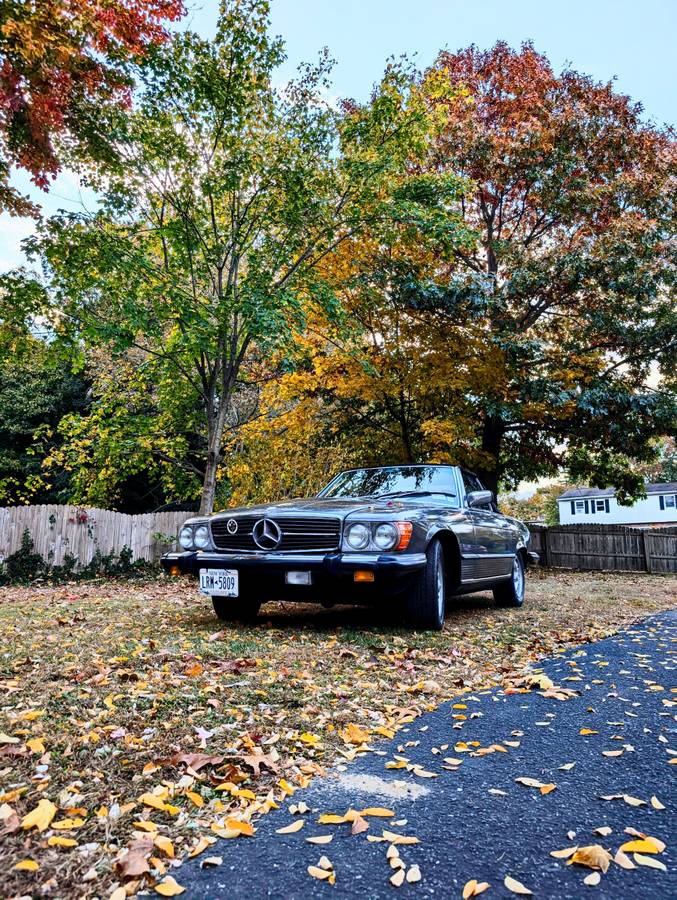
x: 405, y: 529
x: 363, y: 575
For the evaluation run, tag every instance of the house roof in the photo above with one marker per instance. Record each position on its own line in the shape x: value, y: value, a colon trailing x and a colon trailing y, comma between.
x: 668, y: 487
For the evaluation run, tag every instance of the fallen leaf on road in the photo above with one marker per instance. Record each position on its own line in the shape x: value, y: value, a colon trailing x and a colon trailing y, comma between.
x: 413, y: 874
x: 649, y: 861
x: 359, y: 825
x: 563, y: 854
x: 603, y: 830
x: 317, y: 872
x: 474, y: 887
x: 612, y: 752
x: 321, y: 839
x: 656, y: 803
x: 593, y: 856
x: 210, y: 861
x: 588, y: 731
x: 169, y: 887
x: 592, y: 879
x: 290, y: 829
x: 623, y: 861
x: 644, y: 845
x: 377, y: 811
x: 516, y: 886
x: 397, y: 878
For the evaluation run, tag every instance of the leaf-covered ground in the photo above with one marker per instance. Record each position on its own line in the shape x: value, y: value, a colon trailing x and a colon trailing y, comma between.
x: 136, y: 728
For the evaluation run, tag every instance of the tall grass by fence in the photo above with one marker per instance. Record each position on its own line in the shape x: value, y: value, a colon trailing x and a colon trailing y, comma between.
x: 60, y: 530
x: 606, y: 548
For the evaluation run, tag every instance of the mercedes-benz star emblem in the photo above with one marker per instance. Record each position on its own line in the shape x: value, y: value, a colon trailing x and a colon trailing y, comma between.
x: 231, y: 526
x: 267, y: 534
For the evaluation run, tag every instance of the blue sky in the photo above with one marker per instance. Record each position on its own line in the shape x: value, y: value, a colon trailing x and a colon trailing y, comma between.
x: 631, y: 40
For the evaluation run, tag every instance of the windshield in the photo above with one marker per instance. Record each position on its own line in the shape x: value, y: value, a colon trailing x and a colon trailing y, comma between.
x: 391, y: 480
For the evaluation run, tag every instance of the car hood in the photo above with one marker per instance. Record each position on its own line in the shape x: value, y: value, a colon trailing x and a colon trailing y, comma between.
x: 328, y: 507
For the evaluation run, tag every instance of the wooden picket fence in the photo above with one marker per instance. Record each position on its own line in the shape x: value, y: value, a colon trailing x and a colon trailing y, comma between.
x: 607, y: 548
x: 58, y: 530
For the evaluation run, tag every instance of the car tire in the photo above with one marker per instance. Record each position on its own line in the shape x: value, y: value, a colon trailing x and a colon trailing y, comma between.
x: 511, y: 593
x: 426, y: 603
x: 229, y: 610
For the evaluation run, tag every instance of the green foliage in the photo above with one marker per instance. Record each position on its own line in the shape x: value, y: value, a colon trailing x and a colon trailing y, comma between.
x: 36, y: 390
x: 25, y: 566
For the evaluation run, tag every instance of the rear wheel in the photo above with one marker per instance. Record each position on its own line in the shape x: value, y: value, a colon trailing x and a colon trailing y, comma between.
x: 229, y: 610
x: 425, y: 604
x: 511, y: 593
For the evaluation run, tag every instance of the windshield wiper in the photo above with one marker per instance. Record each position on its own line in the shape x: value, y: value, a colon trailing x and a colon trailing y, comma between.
x: 415, y: 494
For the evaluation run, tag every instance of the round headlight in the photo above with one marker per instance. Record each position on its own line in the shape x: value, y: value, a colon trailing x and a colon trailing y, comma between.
x: 201, y: 537
x: 386, y: 536
x: 186, y: 537
x: 357, y: 536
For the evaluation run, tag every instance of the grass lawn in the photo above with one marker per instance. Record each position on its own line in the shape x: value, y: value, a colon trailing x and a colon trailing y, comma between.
x: 141, y: 728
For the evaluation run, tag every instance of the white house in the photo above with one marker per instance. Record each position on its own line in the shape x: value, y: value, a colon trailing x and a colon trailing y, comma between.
x: 581, y: 505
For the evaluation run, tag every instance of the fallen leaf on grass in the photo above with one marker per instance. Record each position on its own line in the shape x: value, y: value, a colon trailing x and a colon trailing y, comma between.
x: 516, y: 886
x: 26, y: 865
x: 201, y: 846
x: 290, y: 829
x: 41, y: 816
x: 353, y: 734
x: 163, y: 843
x: 169, y: 887
x: 58, y: 841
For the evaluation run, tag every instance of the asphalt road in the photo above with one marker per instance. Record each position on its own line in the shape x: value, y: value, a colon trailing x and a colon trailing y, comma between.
x: 466, y: 828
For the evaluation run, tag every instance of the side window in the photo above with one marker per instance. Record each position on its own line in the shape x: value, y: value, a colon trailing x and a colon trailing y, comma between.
x: 472, y: 483
x: 580, y: 506
x: 670, y: 501
x: 600, y: 506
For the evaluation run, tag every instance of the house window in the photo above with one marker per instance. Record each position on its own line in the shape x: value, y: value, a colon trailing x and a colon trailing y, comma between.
x: 580, y: 506
x: 600, y: 506
x: 670, y: 501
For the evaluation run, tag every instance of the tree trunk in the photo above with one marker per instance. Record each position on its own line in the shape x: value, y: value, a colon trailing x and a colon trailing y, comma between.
x: 492, y: 436
x: 209, y: 484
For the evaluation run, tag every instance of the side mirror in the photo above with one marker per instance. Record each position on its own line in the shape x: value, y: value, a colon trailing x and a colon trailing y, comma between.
x: 479, y: 498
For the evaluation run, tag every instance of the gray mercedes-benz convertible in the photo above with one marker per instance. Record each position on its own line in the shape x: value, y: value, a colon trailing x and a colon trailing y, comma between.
x: 414, y: 534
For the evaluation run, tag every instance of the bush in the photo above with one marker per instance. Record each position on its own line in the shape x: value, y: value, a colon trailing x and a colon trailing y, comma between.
x: 26, y: 566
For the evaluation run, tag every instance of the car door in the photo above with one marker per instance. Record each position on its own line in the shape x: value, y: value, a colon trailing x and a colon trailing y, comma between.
x: 493, y: 537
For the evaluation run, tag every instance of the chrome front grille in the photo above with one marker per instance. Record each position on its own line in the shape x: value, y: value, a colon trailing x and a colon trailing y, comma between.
x: 298, y: 533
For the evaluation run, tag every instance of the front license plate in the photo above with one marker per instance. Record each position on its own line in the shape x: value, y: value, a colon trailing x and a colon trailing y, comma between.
x: 219, y: 582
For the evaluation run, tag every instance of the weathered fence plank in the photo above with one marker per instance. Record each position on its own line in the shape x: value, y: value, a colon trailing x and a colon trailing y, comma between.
x: 60, y: 530
x: 606, y: 548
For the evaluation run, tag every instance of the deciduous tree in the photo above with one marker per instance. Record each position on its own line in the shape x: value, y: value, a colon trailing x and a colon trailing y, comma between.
x: 60, y: 61
x: 573, y: 273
